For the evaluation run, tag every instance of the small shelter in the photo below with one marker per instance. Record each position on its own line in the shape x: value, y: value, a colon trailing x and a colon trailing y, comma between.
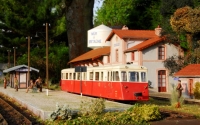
x: 189, y: 75
x: 21, y: 72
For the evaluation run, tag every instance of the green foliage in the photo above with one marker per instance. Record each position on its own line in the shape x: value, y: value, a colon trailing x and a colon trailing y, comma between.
x: 61, y: 113
x: 186, y: 20
x: 114, y: 12
x: 58, y: 58
x: 197, y: 90
x: 146, y: 112
x: 92, y: 107
x: 174, y: 64
x: 136, y: 115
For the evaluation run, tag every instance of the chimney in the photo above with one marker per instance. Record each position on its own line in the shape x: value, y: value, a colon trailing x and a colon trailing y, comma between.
x: 158, y: 31
x: 124, y: 27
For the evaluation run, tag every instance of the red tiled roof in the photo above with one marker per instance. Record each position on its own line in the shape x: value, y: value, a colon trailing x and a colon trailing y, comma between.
x: 190, y: 70
x: 136, y: 34
x: 93, y: 54
x: 146, y: 44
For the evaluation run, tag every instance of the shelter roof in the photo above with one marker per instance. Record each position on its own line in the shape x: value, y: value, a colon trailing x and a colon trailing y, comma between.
x: 191, y: 70
x: 20, y: 68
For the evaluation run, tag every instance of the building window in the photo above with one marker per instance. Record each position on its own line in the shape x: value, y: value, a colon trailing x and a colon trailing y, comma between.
x: 132, y: 56
x: 117, y: 55
x: 108, y: 58
x: 161, y: 52
x: 162, y: 78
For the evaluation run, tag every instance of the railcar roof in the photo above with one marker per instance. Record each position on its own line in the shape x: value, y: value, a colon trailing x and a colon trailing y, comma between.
x: 112, y: 67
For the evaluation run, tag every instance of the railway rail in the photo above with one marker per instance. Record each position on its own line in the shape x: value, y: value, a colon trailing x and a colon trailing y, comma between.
x: 12, y: 113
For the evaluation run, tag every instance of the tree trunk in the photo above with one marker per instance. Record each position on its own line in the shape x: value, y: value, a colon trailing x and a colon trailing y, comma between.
x: 79, y: 20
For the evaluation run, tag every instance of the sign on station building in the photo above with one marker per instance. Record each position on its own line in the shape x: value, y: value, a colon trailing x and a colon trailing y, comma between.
x: 97, y: 36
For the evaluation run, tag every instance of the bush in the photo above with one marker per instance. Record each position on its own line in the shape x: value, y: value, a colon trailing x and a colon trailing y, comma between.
x: 146, y: 112
x: 61, y: 113
x: 197, y: 90
x: 92, y: 107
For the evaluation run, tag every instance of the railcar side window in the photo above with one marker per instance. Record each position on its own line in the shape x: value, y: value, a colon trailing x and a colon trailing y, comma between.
x: 108, y: 76
x: 66, y: 75
x: 123, y: 76
x: 91, y: 76
x: 74, y: 76
x: 62, y: 75
x: 115, y: 76
x: 133, y: 76
x: 143, y: 76
x: 70, y: 75
x: 78, y: 76
x: 97, y: 76
x: 84, y: 76
x: 101, y: 76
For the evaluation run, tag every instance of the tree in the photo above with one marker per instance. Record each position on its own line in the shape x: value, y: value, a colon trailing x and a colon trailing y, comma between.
x: 186, y: 20
x: 128, y: 12
x: 79, y: 15
x: 114, y: 13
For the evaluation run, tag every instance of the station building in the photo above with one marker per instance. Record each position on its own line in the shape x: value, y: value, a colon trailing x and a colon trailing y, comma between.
x: 133, y: 47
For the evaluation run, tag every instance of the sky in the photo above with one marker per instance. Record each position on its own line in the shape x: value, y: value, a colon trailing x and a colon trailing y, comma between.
x: 97, y: 4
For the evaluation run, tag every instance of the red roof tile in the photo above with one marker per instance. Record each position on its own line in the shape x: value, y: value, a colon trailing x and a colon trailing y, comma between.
x: 146, y: 44
x: 136, y: 34
x: 93, y: 54
x: 190, y: 70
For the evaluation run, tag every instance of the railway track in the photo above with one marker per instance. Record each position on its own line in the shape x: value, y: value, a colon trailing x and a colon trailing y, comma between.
x: 11, y: 113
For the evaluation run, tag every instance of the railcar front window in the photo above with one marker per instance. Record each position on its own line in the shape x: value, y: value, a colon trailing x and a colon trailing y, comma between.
x: 143, y: 77
x: 133, y: 77
x: 124, y: 76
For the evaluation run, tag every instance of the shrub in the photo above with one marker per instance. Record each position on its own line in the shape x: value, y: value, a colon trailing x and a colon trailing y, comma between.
x: 61, y: 113
x: 146, y: 112
x: 92, y: 107
x: 197, y: 90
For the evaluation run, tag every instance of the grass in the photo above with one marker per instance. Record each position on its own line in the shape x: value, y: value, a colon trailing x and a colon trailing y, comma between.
x: 193, y: 109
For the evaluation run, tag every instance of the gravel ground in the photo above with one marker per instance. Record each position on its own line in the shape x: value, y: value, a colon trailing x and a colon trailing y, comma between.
x: 42, y: 104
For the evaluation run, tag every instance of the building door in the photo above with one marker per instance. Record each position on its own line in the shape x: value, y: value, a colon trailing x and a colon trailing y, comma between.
x: 190, y: 87
x: 161, y: 81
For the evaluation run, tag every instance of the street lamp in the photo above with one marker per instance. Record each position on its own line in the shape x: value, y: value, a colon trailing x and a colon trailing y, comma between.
x: 47, y: 57
x: 8, y: 57
x: 29, y: 41
x: 14, y: 55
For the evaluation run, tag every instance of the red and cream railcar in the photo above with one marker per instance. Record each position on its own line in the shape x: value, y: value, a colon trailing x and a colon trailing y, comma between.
x: 124, y: 82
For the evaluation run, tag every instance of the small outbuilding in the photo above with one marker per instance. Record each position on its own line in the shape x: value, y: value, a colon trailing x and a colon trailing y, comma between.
x: 21, y: 72
x: 189, y: 75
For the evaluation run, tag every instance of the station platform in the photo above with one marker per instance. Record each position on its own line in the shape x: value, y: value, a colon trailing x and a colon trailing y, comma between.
x: 43, y: 104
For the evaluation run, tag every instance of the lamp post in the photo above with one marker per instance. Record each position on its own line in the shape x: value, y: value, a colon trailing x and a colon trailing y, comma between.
x: 14, y: 55
x: 47, y: 57
x: 8, y: 57
x: 29, y: 41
